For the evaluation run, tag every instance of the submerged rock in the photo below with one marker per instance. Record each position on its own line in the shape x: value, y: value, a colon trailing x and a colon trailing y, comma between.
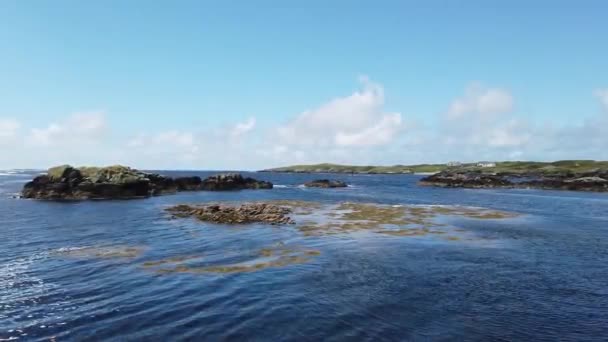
x: 245, y: 213
x: 325, y: 183
x: 120, y: 182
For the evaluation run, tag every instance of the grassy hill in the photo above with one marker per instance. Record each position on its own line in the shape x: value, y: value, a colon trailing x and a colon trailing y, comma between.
x: 509, y: 166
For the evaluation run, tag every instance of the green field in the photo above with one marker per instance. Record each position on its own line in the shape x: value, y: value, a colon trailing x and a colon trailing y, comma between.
x: 508, y: 166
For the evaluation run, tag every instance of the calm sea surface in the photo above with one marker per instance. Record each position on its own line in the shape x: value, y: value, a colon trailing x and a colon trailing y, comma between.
x: 545, y: 277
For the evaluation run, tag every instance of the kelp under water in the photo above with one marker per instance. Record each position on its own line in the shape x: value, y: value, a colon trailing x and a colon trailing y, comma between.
x: 278, y: 255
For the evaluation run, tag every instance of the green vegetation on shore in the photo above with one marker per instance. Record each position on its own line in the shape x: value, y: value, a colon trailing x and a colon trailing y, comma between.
x: 508, y: 166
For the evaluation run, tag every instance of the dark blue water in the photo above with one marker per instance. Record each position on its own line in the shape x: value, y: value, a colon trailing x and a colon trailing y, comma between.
x: 546, y: 279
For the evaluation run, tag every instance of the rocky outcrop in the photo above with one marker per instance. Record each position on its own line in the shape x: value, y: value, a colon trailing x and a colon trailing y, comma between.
x: 226, y: 214
x: 120, y: 182
x: 233, y: 181
x: 589, y: 181
x: 465, y: 180
x: 325, y: 183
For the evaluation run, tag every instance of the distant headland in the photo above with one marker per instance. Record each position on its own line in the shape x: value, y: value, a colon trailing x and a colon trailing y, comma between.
x: 519, y: 167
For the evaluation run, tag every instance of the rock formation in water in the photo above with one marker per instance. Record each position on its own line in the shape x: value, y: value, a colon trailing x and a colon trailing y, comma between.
x: 121, y: 182
x: 325, y: 183
x: 233, y: 181
x: 227, y: 214
x: 588, y: 181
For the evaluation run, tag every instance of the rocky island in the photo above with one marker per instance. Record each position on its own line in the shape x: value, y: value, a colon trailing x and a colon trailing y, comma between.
x: 120, y: 182
x: 325, y: 183
x: 584, y: 181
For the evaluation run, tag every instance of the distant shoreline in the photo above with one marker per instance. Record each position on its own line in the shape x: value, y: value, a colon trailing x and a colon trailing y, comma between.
x: 515, y: 167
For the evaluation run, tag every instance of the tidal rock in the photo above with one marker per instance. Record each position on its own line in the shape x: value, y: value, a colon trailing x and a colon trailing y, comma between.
x: 68, y: 183
x: 595, y: 181
x: 188, y: 183
x: 233, y: 181
x: 245, y: 213
x: 120, y: 182
x: 466, y: 180
x: 325, y: 183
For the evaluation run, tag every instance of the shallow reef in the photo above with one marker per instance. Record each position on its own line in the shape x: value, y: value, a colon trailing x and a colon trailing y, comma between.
x: 102, y: 252
x: 277, y: 255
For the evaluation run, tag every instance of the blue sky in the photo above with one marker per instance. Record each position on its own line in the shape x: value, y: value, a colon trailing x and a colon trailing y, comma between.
x: 252, y: 84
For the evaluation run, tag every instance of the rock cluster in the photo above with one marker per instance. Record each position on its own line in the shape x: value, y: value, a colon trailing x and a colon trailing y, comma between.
x: 325, y: 183
x: 227, y: 214
x: 121, y: 182
x: 589, y: 181
x: 233, y: 181
x: 465, y: 180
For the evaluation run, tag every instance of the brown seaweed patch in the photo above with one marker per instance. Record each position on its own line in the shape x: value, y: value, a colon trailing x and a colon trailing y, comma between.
x: 234, y: 214
x: 375, y: 213
x: 452, y: 238
x: 98, y: 252
x: 405, y: 232
x: 478, y: 213
x: 269, y: 257
x: 171, y: 260
x: 298, y: 207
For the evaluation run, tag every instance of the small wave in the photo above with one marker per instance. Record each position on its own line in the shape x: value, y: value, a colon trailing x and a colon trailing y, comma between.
x: 70, y: 249
x: 281, y: 186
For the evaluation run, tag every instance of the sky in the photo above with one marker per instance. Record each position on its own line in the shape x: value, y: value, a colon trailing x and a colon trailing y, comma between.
x: 246, y: 85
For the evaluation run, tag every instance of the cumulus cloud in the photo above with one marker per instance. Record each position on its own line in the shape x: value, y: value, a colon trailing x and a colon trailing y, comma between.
x: 355, y: 120
x: 481, y: 102
x: 483, y: 118
x: 379, y: 134
x: 8, y: 129
x: 78, y: 128
x: 242, y: 128
x: 602, y: 95
x: 482, y: 123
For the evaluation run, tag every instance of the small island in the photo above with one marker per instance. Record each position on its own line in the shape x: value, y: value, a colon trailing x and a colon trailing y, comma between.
x: 575, y: 175
x: 121, y: 182
x: 326, y: 183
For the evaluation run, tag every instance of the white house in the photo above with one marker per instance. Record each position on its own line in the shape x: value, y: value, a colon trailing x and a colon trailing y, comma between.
x: 486, y: 164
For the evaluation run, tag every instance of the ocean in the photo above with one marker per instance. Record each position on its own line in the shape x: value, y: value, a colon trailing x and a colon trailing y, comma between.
x: 83, y: 271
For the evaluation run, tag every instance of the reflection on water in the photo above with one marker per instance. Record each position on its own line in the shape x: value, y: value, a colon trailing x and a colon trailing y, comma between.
x: 382, y: 260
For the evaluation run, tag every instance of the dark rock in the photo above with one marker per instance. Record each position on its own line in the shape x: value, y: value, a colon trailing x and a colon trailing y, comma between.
x: 233, y: 181
x: 590, y: 181
x: 466, y: 180
x: 325, y: 183
x: 119, y: 182
x: 188, y: 183
x: 245, y: 213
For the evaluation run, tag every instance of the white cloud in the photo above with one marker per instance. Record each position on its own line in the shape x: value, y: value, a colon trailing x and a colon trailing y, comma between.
x: 356, y: 129
x: 481, y: 101
x: 162, y: 149
x: 513, y: 133
x: 355, y: 120
x: 379, y: 134
x: 242, y: 128
x: 8, y: 129
x: 482, y: 119
x: 602, y: 95
x: 78, y: 128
